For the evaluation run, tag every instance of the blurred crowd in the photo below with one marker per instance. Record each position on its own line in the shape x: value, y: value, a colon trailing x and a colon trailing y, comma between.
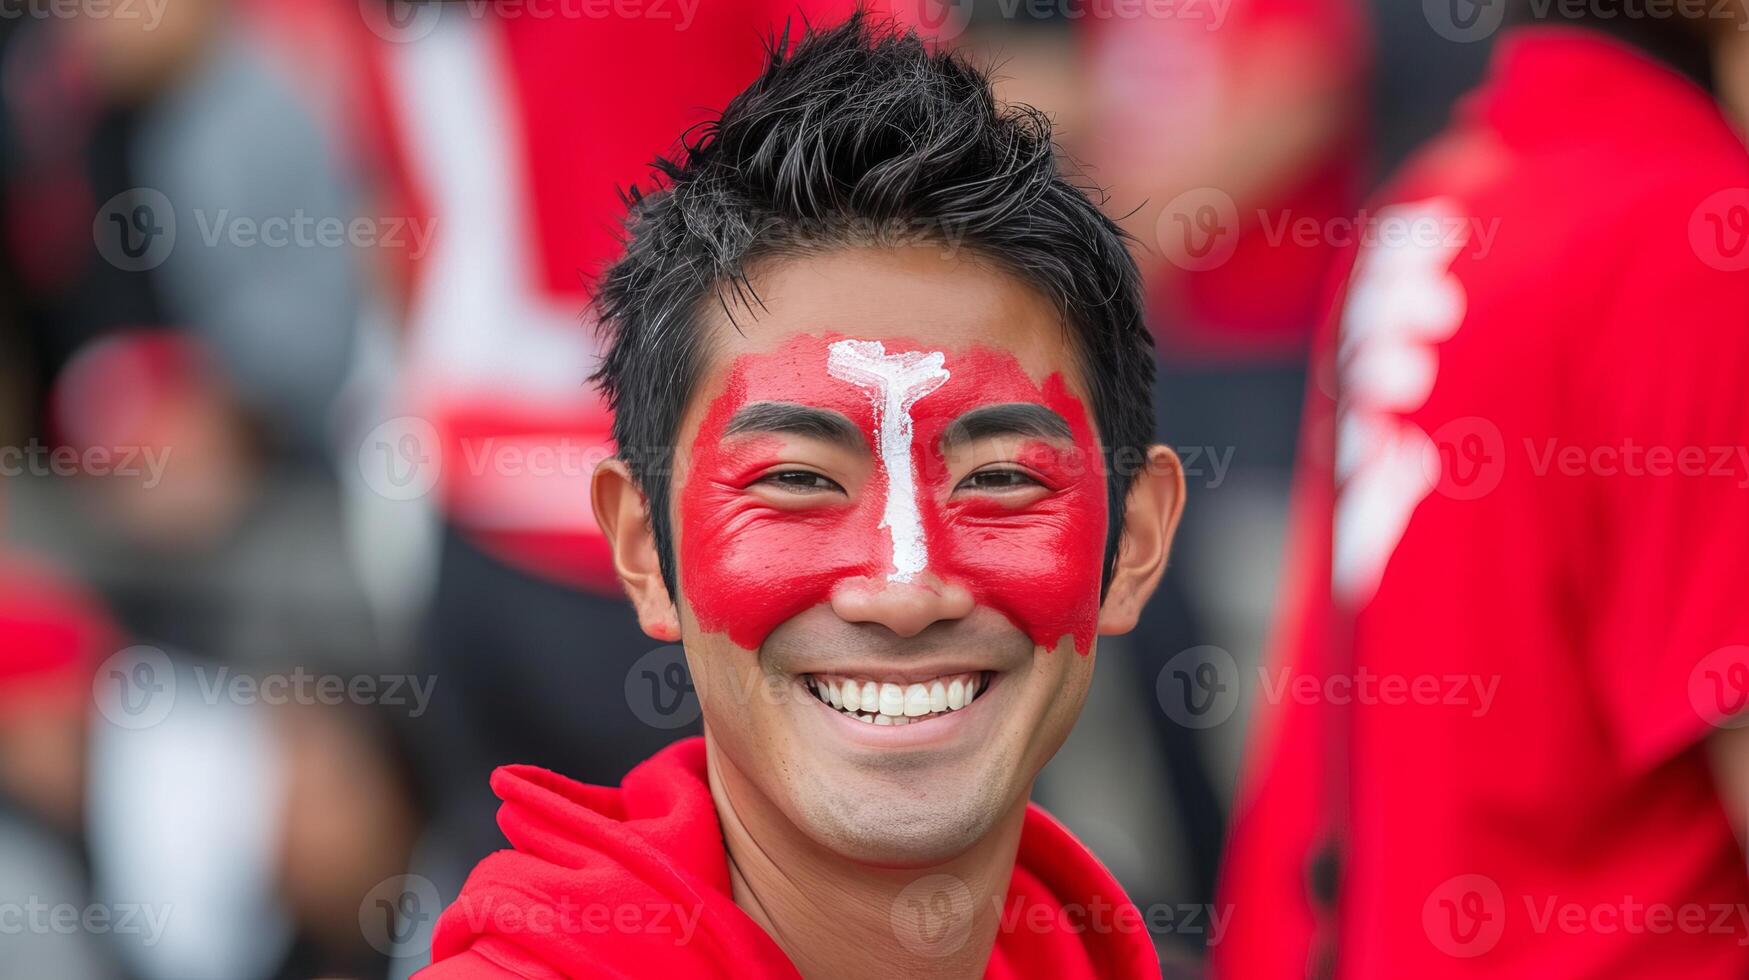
x: 295, y: 437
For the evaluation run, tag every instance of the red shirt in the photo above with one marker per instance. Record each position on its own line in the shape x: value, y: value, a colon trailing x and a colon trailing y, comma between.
x: 1519, y: 604
x: 634, y: 882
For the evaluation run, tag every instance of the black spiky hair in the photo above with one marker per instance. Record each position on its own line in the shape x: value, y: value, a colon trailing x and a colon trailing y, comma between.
x: 861, y: 126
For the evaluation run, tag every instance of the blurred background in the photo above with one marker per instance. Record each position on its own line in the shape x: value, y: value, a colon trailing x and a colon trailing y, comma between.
x: 294, y: 535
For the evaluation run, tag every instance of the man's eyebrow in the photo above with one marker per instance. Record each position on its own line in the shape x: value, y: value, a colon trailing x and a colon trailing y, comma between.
x: 1012, y: 419
x: 794, y: 419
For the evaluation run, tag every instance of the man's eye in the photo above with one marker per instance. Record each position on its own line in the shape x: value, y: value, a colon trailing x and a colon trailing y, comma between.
x: 800, y: 481
x: 1003, y: 479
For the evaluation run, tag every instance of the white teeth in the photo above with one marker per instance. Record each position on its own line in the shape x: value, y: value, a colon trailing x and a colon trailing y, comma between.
x: 892, y: 699
x: 916, y: 701
x: 894, y: 704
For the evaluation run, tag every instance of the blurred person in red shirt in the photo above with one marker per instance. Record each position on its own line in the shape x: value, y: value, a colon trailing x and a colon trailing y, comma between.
x: 1231, y: 137
x: 1502, y: 737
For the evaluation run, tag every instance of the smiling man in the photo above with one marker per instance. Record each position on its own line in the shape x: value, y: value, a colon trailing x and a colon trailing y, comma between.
x: 886, y: 472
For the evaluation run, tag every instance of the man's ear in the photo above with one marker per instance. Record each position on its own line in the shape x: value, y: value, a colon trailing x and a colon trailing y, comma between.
x: 1151, y: 513
x: 624, y: 517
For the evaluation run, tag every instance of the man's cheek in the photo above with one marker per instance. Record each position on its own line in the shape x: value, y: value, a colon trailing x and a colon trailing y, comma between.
x: 747, y: 574
x: 1040, y: 569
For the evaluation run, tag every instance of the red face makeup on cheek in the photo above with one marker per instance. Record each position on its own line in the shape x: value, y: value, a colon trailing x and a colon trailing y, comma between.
x: 747, y: 565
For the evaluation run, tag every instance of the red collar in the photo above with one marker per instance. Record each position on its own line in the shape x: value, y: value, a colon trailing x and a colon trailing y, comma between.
x: 634, y: 880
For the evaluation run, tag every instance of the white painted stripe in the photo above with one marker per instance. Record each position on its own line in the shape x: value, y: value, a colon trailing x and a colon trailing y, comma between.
x: 896, y: 382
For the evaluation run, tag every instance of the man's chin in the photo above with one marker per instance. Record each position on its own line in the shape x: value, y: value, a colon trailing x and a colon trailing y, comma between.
x: 873, y: 823
x: 903, y: 795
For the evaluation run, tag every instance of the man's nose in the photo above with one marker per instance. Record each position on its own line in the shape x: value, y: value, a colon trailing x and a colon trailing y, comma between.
x: 906, y: 608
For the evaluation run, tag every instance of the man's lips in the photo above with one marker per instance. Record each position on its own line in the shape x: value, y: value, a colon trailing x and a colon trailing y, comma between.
x: 898, y: 702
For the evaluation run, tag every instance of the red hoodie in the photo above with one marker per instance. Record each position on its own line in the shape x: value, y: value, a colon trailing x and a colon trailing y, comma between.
x: 634, y: 882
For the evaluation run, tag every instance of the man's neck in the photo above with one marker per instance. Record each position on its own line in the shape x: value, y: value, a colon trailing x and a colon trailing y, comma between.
x: 837, y: 918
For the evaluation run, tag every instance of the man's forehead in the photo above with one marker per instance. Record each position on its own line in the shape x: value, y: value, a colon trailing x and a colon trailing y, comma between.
x: 914, y: 298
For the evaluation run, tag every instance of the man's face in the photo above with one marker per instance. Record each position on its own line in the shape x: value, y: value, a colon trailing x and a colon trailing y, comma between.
x: 891, y: 519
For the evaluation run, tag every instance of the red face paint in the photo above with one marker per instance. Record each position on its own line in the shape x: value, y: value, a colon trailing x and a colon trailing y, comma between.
x: 747, y: 566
